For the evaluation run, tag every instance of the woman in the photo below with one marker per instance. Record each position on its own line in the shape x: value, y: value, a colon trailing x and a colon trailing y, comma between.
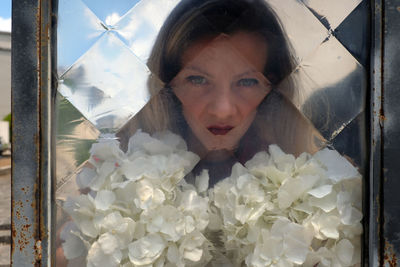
x: 224, y: 125
x: 220, y: 63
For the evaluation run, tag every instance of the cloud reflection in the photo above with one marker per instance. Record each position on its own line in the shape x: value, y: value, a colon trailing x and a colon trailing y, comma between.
x: 108, y: 84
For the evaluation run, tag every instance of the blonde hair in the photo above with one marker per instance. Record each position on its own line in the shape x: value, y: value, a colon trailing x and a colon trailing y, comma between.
x: 277, y: 120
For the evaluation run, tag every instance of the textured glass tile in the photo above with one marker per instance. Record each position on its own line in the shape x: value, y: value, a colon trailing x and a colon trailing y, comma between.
x: 333, y: 12
x: 352, y: 141
x: 110, y: 11
x: 68, y: 187
x: 78, y: 29
x: 330, y: 87
x: 140, y: 26
x: 108, y: 84
x: 303, y: 29
x: 74, y: 137
x: 107, y: 89
x: 354, y: 31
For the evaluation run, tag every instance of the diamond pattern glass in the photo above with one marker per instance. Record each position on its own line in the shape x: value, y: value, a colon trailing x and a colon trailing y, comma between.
x: 333, y: 12
x: 78, y: 30
x: 303, y: 29
x: 109, y: 12
x: 352, y: 141
x: 330, y: 87
x: 75, y: 135
x: 108, y: 84
x: 139, y: 27
x: 103, y: 49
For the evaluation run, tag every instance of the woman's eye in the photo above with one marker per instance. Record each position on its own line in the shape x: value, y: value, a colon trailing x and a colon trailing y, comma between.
x: 248, y: 82
x: 196, y: 80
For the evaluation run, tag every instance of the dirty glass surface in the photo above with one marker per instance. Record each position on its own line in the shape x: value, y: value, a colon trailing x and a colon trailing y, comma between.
x: 164, y: 149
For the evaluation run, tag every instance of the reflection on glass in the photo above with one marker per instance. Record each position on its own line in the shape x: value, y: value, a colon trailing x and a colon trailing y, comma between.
x: 108, y: 84
x: 78, y: 29
x: 109, y: 12
x: 303, y: 29
x: 334, y: 12
x: 352, y: 141
x: 140, y: 26
x: 332, y: 86
x: 75, y: 135
x: 212, y: 157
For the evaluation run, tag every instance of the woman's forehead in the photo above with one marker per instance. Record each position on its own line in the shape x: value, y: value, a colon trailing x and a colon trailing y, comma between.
x: 249, y: 47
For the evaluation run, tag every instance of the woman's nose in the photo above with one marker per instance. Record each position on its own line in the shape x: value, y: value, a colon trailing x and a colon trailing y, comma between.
x: 222, y: 104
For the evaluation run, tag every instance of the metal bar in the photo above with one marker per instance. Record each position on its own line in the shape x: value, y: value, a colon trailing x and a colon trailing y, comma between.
x: 45, y: 80
x: 375, y: 186
x: 31, y: 183
x: 390, y: 119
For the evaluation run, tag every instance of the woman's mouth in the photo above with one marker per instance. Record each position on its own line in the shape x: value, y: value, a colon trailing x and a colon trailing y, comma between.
x: 219, y: 130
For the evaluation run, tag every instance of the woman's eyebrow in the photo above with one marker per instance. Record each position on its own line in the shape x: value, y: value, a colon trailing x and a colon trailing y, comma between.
x: 195, y: 68
x: 249, y: 72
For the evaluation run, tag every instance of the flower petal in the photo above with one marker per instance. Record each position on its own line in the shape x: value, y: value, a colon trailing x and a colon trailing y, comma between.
x: 344, y: 251
x: 321, y: 191
x: 202, y: 181
x: 147, y: 249
x: 104, y: 199
x: 337, y: 167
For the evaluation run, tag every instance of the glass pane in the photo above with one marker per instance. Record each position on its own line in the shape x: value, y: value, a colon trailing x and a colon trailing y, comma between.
x: 107, y: 84
x: 138, y: 29
x: 78, y: 30
x: 75, y: 136
x: 331, y: 87
x: 204, y: 133
x: 332, y: 12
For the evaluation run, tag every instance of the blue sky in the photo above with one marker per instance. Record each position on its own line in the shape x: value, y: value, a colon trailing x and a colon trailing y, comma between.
x: 5, y: 15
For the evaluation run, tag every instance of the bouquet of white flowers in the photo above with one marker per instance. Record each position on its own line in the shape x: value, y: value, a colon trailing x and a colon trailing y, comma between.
x: 277, y: 210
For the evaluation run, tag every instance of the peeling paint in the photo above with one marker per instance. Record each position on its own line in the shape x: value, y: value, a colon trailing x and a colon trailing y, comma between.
x: 390, y: 258
x: 38, y: 250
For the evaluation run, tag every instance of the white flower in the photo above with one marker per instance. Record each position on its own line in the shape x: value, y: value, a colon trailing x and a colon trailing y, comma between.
x: 349, y: 215
x: 337, y: 167
x: 201, y: 181
x: 85, y: 177
x: 195, y: 208
x: 122, y: 228
x: 104, y: 199
x: 191, y: 246
x: 82, y: 210
x: 73, y: 245
x: 146, y: 195
x: 277, y: 210
x: 162, y: 143
x: 147, y: 249
x: 286, y: 241
x: 98, y: 257
x: 166, y: 220
x: 106, y: 149
x: 294, y: 188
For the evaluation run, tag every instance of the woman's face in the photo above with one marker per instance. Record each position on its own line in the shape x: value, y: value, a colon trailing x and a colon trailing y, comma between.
x: 220, y: 86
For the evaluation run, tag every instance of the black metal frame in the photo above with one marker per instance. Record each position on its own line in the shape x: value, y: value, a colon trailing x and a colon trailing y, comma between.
x: 33, y: 62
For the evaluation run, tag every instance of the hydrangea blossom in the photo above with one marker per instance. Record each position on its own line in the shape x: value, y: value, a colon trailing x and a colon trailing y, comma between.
x: 138, y: 213
x: 276, y: 210
x: 279, y: 210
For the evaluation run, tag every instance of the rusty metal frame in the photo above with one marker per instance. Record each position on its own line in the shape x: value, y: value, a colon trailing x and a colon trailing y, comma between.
x: 384, y: 203
x: 31, y: 185
x: 375, y: 185
x: 389, y: 122
x: 33, y: 86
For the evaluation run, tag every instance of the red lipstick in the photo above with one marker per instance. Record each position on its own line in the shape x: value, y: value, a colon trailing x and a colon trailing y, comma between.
x: 219, y: 130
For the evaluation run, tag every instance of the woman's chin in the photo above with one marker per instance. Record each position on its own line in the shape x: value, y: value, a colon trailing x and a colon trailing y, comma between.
x: 218, y: 155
